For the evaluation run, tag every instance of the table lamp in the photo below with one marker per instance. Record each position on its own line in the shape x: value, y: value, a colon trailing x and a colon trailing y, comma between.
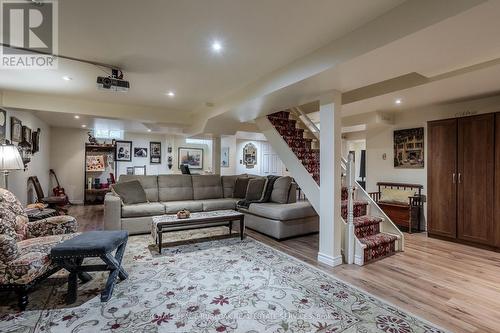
x: 10, y: 159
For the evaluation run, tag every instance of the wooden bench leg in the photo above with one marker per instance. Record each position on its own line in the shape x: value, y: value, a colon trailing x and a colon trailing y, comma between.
x: 410, y: 220
x: 22, y: 298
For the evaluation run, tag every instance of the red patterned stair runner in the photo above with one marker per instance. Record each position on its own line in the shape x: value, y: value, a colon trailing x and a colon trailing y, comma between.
x: 367, y: 230
x: 366, y: 227
x: 294, y: 137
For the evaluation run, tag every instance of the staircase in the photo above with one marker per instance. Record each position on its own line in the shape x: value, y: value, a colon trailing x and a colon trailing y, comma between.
x: 375, y: 236
x: 299, y: 140
x: 374, y: 244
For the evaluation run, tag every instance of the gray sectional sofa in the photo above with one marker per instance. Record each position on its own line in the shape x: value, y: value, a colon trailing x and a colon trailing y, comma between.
x: 167, y: 194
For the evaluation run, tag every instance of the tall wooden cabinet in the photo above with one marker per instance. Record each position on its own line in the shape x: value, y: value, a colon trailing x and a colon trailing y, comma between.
x: 463, y: 178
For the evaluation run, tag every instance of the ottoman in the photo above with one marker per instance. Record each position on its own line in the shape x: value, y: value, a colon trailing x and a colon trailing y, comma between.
x: 71, y: 253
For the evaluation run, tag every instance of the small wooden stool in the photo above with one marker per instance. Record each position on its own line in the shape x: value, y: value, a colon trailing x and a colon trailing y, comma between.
x: 71, y: 253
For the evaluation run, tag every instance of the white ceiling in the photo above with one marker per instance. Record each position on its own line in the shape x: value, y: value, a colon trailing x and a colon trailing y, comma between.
x: 165, y: 45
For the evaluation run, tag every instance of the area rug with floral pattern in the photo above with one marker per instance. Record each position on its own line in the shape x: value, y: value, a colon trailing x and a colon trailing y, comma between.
x: 218, y: 285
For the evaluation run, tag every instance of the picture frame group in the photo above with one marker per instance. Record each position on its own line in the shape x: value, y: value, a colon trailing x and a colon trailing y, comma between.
x: 124, y: 151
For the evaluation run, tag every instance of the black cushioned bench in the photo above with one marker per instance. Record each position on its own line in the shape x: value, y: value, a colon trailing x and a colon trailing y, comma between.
x: 71, y: 253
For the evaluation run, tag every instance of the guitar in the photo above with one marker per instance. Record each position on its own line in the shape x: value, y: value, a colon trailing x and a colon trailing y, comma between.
x: 58, y: 190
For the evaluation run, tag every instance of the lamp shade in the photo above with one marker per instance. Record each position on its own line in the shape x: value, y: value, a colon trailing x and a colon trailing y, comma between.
x: 10, y: 159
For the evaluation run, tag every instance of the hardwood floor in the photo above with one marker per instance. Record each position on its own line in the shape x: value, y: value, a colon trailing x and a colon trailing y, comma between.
x: 451, y: 285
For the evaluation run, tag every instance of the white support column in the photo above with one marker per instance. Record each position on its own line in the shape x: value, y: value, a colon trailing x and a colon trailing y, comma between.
x: 330, y: 176
x: 216, y: 155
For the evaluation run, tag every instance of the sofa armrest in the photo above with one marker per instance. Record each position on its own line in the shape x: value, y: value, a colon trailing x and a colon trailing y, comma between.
x: 55, y: 225
x: 112, y: 212
x: 292, y: 193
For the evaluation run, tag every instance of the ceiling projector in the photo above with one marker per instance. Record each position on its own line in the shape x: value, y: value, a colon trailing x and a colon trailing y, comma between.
x: 114, y: 82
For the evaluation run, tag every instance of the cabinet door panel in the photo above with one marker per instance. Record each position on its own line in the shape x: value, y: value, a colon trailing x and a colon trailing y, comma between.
x: 441, y: 178
x: 497, y: 182
x: 476, y: 158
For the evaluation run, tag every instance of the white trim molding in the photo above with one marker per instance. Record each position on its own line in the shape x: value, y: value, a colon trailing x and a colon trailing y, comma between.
x: 329, y: 260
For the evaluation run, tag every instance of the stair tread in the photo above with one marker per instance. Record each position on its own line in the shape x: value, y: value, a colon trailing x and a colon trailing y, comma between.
x: 378, y: 239
x: 366, y: 220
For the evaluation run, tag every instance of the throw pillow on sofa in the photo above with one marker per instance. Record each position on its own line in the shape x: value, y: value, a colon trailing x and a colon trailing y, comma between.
x: 130, y: 192
x: 255, y: 188
x: 281, y: 190
x: 240, y: 187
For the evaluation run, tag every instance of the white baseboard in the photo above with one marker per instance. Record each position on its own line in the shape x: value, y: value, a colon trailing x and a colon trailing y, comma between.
x: 329, y: 260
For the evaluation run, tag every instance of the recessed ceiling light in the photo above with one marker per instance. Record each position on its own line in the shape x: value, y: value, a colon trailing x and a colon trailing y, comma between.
x: 149, y: 129
x: 84, y: 126
x: 216, y: 46
x: 67, y: 78
x: 170, y: 94
x: 77, y: 116
x: 398, y: 101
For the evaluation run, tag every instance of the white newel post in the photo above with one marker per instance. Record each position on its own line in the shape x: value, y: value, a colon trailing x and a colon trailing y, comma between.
x: 349, y: 237
x: 330, y: 177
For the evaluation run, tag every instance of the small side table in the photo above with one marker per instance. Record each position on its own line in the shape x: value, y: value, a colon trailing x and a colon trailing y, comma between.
x: 37, y: 214
x: 71, y: 253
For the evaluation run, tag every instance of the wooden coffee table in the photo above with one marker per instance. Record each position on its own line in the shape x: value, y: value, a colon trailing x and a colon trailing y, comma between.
x: 166, y: 223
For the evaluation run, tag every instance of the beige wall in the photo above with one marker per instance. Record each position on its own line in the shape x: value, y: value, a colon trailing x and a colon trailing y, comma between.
x: 230, y: 142
x: 66, y: 158
x: 380, y: 140
x: 39, y: 165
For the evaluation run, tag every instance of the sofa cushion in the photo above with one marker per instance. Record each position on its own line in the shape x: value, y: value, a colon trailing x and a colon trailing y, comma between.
x: 228, y: 183
x: 175, y: 187
x: 96, y: 243
x: 143, y: 209
x: 33, y: 259
x: 172, y: 207
x: 131, y: 192
x: 240, y: 187
x: 283, y: 212
x: 207, y: 187
x: 255, y: 188
x: 219, y: 204
x: 149, y: 184
x: 281, y: 190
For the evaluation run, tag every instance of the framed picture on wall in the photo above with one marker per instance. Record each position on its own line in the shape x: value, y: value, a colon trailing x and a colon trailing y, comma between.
x: 155, y: 152
x: 140, y: 152
x: 16, y: 130
x: 3, y: 125
x: 123, y: 151
x: 409, y: 148
x: 35, y: 139
x: 224, y: 157
x: 193, y: 157
x: 26, y: 134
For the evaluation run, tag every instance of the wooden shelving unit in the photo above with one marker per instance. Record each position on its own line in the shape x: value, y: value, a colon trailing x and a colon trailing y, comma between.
x: 107, y: 151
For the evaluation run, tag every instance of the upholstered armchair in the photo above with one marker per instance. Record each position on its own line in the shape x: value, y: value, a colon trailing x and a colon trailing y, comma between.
x: 25, y: 246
